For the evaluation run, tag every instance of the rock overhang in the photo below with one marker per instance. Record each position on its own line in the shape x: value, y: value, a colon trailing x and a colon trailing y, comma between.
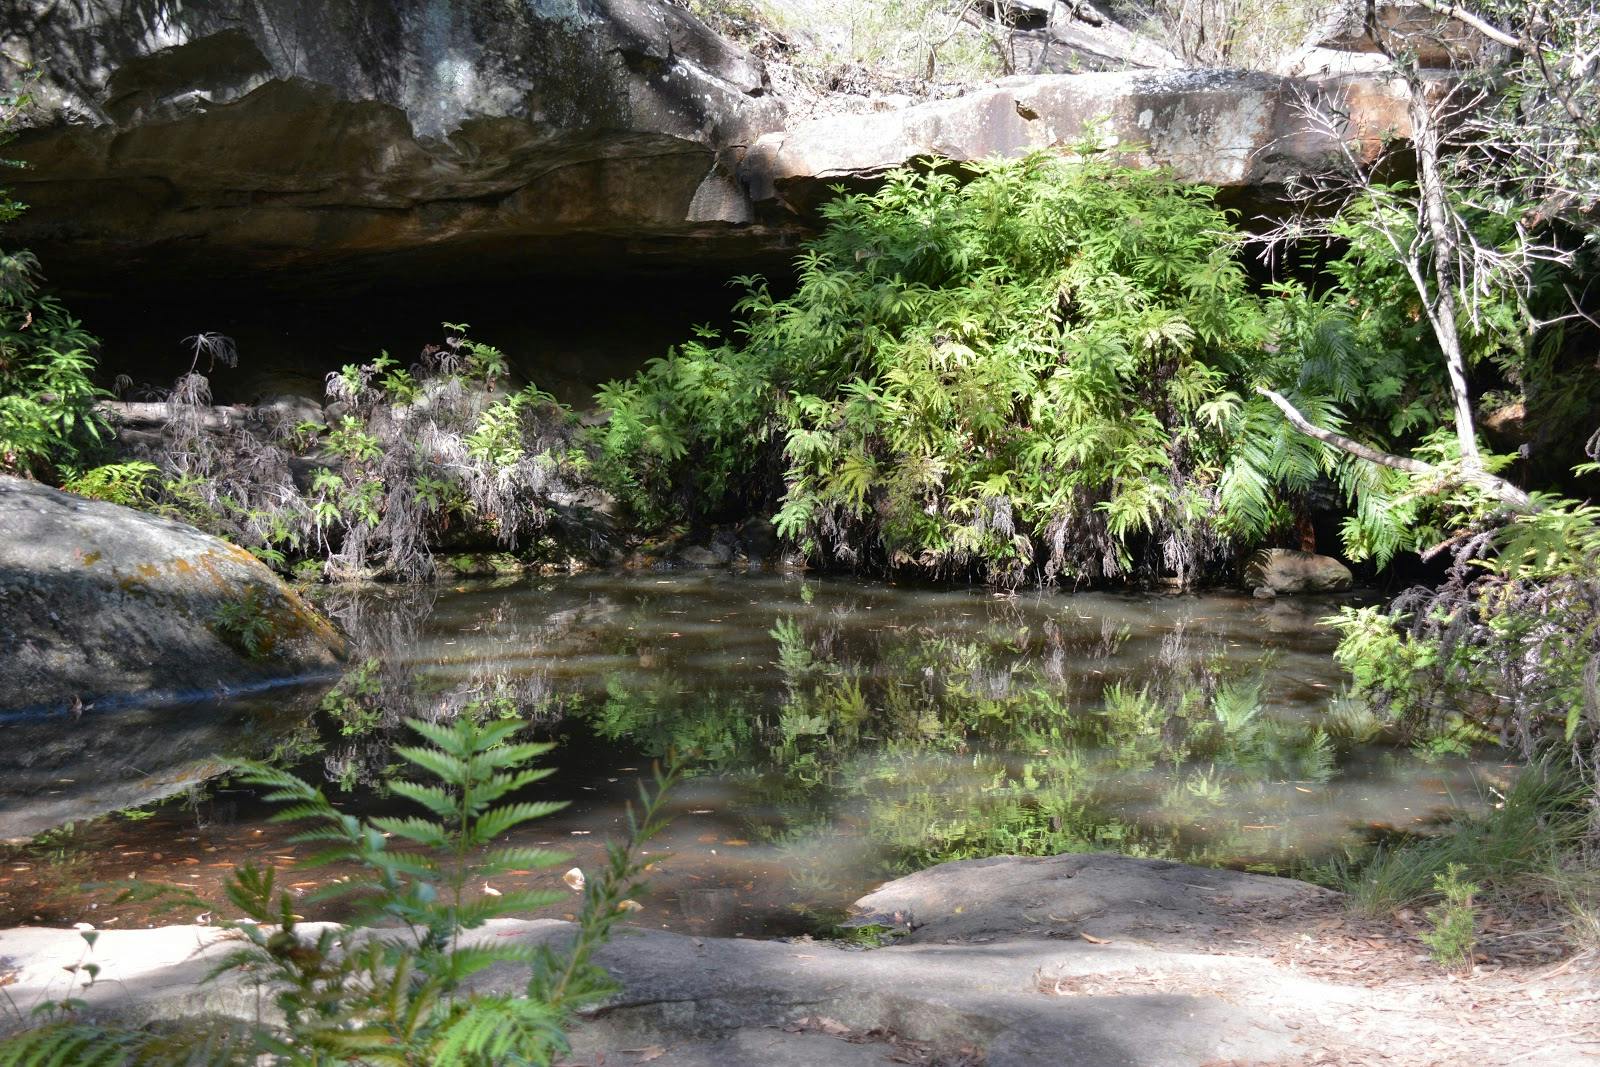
x: 356, y: 144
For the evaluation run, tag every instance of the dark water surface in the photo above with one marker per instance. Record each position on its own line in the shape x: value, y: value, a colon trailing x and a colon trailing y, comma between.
x: 836, y: 734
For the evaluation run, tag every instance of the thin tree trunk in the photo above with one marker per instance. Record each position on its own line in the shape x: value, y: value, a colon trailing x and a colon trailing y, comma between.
x: 1442, y: 306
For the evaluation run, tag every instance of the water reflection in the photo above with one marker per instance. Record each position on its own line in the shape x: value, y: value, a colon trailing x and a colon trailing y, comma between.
x: 838, y: 733
x: 858, y: 730
x: 67, y: 768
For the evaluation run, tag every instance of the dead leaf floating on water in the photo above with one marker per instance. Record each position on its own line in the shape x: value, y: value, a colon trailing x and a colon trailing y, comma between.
x: 1093, y: 940
x: 490, y: 890
x: 629, y: 905
x: 574, y: 879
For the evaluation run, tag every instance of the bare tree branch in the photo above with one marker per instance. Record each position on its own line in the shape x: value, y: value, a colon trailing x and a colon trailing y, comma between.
x: 1483, y: 26
x: 1496, y: 487
x: 1340, y: 441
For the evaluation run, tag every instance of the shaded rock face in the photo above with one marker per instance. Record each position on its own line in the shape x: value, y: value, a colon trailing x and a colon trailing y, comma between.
x: 355, y: 138
x: 1282, y: 570
x: 102, y: 606
x: 356, y: 143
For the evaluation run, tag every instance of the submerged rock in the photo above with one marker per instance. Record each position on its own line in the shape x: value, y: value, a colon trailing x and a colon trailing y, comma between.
x: 103, y: 606
x: 1284, y: 570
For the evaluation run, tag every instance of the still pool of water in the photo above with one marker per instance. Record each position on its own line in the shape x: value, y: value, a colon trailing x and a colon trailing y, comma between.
x: 835, y: 734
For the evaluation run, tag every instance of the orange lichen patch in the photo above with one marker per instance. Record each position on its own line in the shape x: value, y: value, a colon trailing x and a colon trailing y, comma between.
x: 91, y: 558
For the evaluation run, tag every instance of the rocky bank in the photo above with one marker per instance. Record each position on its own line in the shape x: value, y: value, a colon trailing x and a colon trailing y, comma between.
x: 1089, y: 960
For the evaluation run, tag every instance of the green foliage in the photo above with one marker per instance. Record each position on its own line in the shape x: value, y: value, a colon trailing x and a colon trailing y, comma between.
x: 1506, y: 646
x: 1455, y: 930
x: 407, y: 458
x: 128, y: 484
x: 47, y: 397
x: 1035, y: 372
x: 1525, y: 853
x: 353, y: 702
x: 246, y: 624
x: 1514, y: 845
x: 392, y: 987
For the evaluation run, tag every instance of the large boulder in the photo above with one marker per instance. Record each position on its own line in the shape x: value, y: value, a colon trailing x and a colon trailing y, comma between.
x: 1230, y: 129
x: 102, y: 606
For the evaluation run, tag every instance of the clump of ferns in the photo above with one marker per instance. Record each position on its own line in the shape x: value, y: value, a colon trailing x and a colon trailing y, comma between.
x: 1506, y: 648
x: 403, y: 459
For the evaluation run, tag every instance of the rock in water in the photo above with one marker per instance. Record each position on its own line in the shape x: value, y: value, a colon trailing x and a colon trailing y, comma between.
x: 101, y: 605
x: 1284, y: 570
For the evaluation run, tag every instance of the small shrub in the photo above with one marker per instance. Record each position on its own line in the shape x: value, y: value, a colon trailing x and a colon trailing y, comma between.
x: 1528, y: 853
x: 406, y: 458
x: 128, y: 484
x: 1455, y: 930
x: 353, y: 702
x: 1505, y: 648
x: 1239, y: 34
x: 245, y: 625
x: 48, y: 420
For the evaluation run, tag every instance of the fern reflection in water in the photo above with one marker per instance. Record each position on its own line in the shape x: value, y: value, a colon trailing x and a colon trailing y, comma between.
x: 981, y: 752
x: 837, y: 732
x: 853, y: 730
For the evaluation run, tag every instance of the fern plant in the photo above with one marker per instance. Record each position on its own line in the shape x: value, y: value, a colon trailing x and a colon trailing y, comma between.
x: 394, y: 985
x: 405, y: 458
x: 1505, y: 648
x: 128, y: 484
x: 1035, y: 369
x: 48, y: 420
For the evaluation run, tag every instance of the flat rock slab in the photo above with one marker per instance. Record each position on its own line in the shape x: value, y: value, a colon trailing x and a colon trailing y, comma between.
x: 1291, y: 991
x: 1149, y: 902
x: 1222, y: 128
